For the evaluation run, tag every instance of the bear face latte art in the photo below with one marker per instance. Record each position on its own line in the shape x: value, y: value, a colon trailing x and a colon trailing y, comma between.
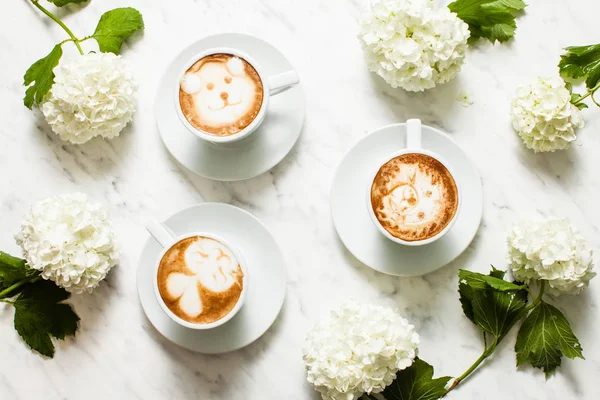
x: 221, y: 94
x: 414, y: 197
x: 200, y: 280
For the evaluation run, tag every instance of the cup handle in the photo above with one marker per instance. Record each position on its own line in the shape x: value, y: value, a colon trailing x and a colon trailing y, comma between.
x: 159, y: 231
x: 281, y: 82
x: 413, y: 133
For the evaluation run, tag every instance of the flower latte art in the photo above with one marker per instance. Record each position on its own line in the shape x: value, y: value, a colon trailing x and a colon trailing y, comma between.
x: 220, y: 94
x: 200, y: 280
x: 414, y: 197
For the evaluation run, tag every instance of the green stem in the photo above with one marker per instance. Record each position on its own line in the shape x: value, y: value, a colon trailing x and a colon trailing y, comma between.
x: 588, y: 94
x: 487, y: 351
x: 8, y: 292
x: 594, y: 100
x: 538, y: 299
x: 60, y: 23
x: 6, y: 301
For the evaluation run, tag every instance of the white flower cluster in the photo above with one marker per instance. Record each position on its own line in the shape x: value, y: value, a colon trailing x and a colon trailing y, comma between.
x: 93, y: 95
x: 552, y: 251
x: 358, y: 349
x: 543, y: 116
x: 413, y: 44
x: 69, y: 240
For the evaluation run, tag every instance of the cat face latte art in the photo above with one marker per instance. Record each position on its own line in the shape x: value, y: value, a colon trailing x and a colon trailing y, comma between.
x: 414, y: 197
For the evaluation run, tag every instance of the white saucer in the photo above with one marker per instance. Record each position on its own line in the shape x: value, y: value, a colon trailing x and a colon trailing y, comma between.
x: 351, y: 217
x: 267, y: 278
x: 249, y: 157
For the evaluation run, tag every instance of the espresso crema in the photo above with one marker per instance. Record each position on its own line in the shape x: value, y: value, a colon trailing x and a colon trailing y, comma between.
x: 221, y: 94
x: 414, y: 197
x: 200, y: 280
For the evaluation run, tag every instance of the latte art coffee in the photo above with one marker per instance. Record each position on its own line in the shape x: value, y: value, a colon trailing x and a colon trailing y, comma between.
x: 414, y: 197
x: 200, y: 280
x: 221, y: 94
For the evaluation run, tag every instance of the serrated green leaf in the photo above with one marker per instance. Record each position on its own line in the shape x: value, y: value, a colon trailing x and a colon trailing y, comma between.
x: 544, y: 337
x: 490, y: 302
x: 480, y: 281
x: 466, y: 300
x: 12, y: 270
x: 497, y: 273
x: 115, y: 26
x: 581, y: 62
x: 416, y: 383
x: 466, y: 291
x: 516, y: 5
x: 496, y: 312
x: 575, y: 97
x: 41, y: 315
x: 33, y: 325
x: 62, y: 3
x: 490, y: 19
x: 569, y: 87
x: 41, y: 74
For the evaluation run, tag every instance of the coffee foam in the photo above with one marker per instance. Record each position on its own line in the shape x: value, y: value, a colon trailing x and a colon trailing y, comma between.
x: 200, y: 279
x: 221, y: 94
x: 414, y: 197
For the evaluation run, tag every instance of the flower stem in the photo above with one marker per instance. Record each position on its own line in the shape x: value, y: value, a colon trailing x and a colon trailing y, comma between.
x: 59, y: 22
x: 589, y: 93
x: 487, y: 351
x: 8, y: 292
x: 538, y: 299
x: 594, y: 100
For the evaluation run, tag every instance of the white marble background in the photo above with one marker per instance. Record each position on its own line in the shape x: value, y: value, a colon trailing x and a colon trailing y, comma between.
x: 117, y: 353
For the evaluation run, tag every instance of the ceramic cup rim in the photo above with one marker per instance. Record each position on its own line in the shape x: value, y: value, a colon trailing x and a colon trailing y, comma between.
x: 255, y: 122
x: 441, y: 233
x: 231, y: 313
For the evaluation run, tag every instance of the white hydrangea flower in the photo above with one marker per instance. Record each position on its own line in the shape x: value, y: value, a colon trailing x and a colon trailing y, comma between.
x: 69, y: 240
x: 543, y: 116
x: 93, y: 95
x: 553, y: 251
x: 413, y: 44
x: 358, y: 349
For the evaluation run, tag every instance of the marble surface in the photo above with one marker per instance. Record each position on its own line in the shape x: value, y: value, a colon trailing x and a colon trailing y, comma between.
x: 117, y: 353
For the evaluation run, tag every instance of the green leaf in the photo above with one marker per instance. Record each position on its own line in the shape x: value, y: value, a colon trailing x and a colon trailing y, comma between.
x: 496, y: 312
x: 42, y: 73
x: 62, y: 3
x: 581, y: 62
x: 480, y: 281
x: 545, y: 336
x: 467, y: 281
x: 416, y: 383
x: 12, y: 270
x: 490, y: 19
x: 490, y: 302
x: 115, y: 26
x: 569, y: 87
x: 41, y: 315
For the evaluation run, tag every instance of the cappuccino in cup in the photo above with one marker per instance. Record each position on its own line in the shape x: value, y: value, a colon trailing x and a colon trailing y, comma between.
x: 221, y: 94
x: 200, y: 280
x: 414, y: 197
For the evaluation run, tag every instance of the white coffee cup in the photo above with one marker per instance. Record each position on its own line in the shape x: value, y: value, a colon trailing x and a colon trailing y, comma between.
x: 413, y: 145
x: 167, y: 239
x: 272, y: 85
